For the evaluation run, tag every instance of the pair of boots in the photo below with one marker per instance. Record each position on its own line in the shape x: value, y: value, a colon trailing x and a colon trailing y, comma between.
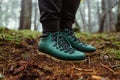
x: 64, y: 45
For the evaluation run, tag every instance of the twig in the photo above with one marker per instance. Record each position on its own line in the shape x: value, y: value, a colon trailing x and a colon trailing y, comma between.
x: 92, y: 42
x: 115, y: 66
x: 3, y: 58
x: 89, y: 62
x: 111, y: 70
x: 86, y: 70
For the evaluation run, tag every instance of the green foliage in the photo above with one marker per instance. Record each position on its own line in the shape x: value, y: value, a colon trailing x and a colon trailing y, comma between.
x: 29, y: 33
x: 12, y: 35
x: 109, y: 43
x: 118, y: 54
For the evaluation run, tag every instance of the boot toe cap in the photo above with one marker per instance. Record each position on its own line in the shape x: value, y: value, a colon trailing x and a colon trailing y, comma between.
x: 91, y: 48
x: 79, y: 55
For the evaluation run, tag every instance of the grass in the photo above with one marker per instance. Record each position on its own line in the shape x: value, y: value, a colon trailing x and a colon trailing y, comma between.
x: 111, y: 41
x: 17, y: 35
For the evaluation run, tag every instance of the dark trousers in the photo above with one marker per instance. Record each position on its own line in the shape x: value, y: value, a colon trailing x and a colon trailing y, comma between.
x: 57, y: 15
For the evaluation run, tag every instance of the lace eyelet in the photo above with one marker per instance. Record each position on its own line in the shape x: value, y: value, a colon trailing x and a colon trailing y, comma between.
x: 61, y: 43
x: 66, y: 51
x: 61, y: 49
x: 71, y: 52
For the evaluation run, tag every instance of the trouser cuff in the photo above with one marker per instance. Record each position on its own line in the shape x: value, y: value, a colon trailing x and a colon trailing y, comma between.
x: 50, y: 26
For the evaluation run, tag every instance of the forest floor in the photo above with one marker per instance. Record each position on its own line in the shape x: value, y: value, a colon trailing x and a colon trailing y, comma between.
x: 20, y: 59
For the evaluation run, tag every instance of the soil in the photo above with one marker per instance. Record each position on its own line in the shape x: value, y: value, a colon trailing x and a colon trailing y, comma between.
x: 22, y: 61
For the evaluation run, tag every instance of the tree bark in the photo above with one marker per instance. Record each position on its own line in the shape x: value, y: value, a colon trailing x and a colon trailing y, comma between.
x: 98, y: 12
x: 118, y: 19
x: 89, y: 16
x: 83, y: 18
x: 104, y: 13
x: 26, y: 13
x: 35, y: 17
x: 101, y: 29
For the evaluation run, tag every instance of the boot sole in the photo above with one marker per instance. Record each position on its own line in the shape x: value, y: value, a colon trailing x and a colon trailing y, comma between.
x: 60, y: 60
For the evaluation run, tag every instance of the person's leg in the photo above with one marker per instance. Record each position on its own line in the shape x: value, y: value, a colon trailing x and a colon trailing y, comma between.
x: 68, y: 12
x: 69, y: 8
x: 52, y: 41
x: 50, y: 14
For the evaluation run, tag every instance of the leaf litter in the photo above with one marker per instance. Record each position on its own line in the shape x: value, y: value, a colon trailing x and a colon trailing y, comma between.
x: 22, y: 61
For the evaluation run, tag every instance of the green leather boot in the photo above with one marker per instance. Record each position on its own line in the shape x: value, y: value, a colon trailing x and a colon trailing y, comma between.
x: 76, y: 43
x: 56, y: 45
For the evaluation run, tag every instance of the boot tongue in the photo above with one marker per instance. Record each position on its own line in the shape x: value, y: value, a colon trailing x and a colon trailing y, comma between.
x: 47, y: 34
x: 44, y: 35
x: 69, y: 31
x: 62, y: 42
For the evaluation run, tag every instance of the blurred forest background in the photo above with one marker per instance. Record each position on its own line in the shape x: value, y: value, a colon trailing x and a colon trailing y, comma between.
x: 21, y: 60
x: 92, y: 15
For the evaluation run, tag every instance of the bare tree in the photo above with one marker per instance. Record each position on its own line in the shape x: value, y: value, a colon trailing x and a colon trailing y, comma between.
x: 102, y: 20
x: 35, y: 17
x: 105, y: 12
x: 118, y: 22
x: 98, y: 13
x: 89, y: 15
x: 0, y: 3
x: 26, y: 13
x: 110, y: 17
x: 82, y: 18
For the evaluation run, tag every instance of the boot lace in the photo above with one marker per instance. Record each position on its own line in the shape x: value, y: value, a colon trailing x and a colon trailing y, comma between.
x: 74, y: 38
x: 61, y: 43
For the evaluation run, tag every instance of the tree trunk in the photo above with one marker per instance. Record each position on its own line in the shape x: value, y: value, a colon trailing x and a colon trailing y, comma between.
x: 35, y: 17
x: 26, y: 13
x: 89, y: 16
x: 0, y: 4
x: 83, y: 18
x: 110, y: 16
x: 101, y: 29
x: 98, y: 12
x: 107, y: 20
x: 118, y: 19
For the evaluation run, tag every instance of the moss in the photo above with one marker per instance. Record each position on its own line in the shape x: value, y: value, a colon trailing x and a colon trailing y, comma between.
x: 112, y: 38
x: 111, y: 48
x: 17, y: 35
x: 29, y: 33
x: 118, y: 54
x: 116, y: 43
